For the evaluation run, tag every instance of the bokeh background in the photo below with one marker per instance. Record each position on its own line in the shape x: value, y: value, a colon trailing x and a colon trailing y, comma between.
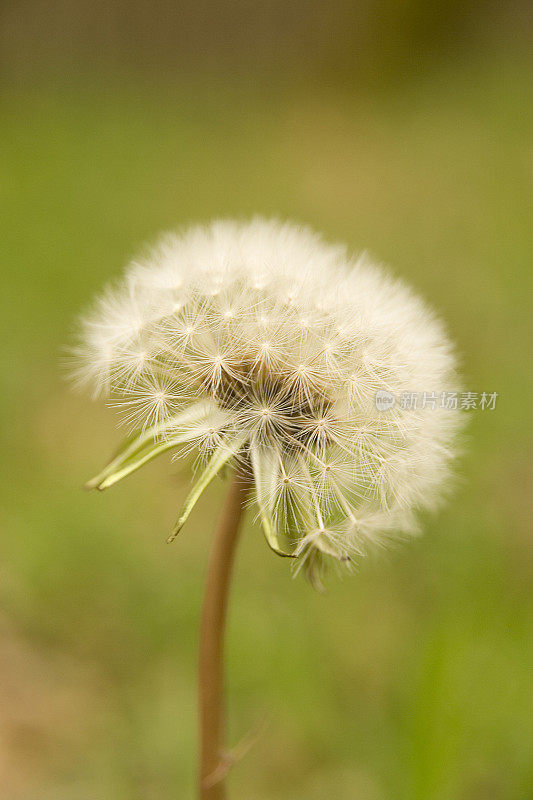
x: 405, y: 128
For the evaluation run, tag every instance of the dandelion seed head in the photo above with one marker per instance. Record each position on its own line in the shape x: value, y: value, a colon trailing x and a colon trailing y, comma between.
x: 285, y: 340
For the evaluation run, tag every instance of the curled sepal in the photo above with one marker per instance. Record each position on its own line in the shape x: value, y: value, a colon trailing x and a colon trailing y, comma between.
x: 148, y: 443
x: 226, y: 450
x: 265, y: 465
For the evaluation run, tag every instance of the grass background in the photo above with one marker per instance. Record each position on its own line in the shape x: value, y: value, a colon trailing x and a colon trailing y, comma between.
x: 410, y: 680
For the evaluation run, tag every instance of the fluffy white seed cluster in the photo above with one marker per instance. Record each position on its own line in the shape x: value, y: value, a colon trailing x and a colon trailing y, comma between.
x: 257, y: 342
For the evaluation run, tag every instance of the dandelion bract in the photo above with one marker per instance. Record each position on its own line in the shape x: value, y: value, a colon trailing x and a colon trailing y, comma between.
x: 258, y: 343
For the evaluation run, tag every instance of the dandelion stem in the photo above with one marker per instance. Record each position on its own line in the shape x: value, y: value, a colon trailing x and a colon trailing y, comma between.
x: 211, y: 654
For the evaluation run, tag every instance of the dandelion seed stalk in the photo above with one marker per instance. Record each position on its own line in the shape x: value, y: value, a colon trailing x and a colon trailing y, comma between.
x: 211, y: 650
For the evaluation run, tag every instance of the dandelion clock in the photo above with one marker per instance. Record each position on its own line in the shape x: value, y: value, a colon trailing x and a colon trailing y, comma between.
x: 272, y: 354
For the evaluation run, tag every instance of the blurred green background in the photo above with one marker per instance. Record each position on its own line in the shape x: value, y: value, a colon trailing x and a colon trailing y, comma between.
x: 403, y: 128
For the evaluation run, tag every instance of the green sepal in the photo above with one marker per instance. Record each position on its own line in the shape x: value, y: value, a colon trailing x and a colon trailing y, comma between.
x: 146, y: 444
x: 226, y: 450
x: 266, y: 470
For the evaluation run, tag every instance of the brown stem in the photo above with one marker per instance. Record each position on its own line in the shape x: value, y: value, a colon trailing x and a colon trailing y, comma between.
x: 211, y: 668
